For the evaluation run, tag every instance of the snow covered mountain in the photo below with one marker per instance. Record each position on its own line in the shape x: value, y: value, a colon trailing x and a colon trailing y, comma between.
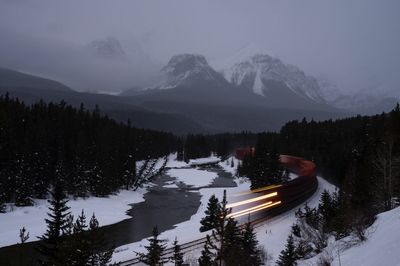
x: 258, y: 71
x: 193, y: 88
x: 189, y: 69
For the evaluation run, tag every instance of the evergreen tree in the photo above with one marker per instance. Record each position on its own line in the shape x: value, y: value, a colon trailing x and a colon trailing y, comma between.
x: 251, y: 253
x: 207, y: 257
x: 224, y: 231
x: 23, y: 191
x: 210, y: 220
x: 232, y: 252
x: 96, y: 243
x: 177, y: 257
x: 57, y: 224
x: 155, y: 250
x: 288, y: 256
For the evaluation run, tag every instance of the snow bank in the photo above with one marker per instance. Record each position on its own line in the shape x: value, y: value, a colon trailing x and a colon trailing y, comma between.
x: 208, y: 160
x: 381, y: 247
x: 193, y: 177
x: 226, y: 165
x: 107, y: 210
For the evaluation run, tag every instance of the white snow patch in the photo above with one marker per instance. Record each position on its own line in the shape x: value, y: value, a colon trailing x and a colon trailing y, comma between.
x: 381, y: 247
x: 258, y: 85
x: 226, y: 165
x: 107, y: 210
x: 193, y: 177
x: 207, y: 160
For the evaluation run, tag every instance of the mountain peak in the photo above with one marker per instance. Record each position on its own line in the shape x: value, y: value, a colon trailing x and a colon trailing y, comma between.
x: 185, y: 69
x: 255, y: 71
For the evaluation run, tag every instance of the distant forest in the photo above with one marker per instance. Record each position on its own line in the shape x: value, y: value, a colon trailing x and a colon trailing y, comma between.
x: 87, y: 153
x: 91, y: 154
x: 361, y: 155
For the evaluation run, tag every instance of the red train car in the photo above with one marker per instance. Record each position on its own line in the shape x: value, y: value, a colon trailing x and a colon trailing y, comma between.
x: 242, y: 152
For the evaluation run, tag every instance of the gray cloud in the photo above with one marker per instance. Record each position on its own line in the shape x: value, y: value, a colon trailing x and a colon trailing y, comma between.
x: 353, y: 42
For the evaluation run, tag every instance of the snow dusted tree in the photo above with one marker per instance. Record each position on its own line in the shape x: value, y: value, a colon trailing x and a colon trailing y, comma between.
x: 211, y: 219
x: 155, y: 250
x: 207, y: 257
x: 57, y: 224
x: 96, y: 243
x: 223, y: 226
x: 23, y: 182
x: 148, y: 171
x: 129, y: 175
x: 252, y: 254
x: 288, y: 256
x: 177, y: 257
x: 84, y: 245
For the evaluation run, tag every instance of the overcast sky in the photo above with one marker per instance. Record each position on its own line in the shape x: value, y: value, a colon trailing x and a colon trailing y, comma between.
x: 355, y: 43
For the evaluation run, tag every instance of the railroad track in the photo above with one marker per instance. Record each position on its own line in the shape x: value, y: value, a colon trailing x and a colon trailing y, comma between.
x: 305, y: 168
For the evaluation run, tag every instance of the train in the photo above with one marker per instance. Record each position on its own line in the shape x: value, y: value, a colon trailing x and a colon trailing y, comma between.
x: 279, y: 197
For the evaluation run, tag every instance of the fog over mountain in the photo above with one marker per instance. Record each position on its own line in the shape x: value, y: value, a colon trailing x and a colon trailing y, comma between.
x: 110, y: 46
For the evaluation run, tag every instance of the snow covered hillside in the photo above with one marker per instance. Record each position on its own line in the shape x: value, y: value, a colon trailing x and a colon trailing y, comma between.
x: 380, y: 248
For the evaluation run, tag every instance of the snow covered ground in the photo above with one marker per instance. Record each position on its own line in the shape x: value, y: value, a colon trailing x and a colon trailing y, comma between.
x: 107, y: 210
x: 273, y: 234
x: 186, y: 231
x: 192, y: 177
x: 200, y: 161
x: 381, y: 247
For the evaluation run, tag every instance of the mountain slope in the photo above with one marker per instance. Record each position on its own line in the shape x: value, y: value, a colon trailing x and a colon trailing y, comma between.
x: 262, y: 73
x: 13, y: 79
x: 193, y: 88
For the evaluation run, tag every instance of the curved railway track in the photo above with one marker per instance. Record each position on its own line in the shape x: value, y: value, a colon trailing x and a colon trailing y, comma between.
x: 289, y: 195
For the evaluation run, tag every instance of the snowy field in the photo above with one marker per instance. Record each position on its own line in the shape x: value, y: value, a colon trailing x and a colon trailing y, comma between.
x: 192, y: 177
x: 107, y: 210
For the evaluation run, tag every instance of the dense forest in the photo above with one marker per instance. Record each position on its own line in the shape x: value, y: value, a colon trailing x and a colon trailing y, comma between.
x: 361, y: 155
x: 89, y: 154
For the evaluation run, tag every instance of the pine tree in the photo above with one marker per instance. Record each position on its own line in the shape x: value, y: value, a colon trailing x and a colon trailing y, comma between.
x: 155, y: 250
x: 177, y: 257
x: 231, y: 250
x: 96, y: 243
x: 224, y: 226
x: 210, y: 220
x: 23, y: 184
x: 57, y: 224
x: 207, y: 257
x: 251, y: 253
x: 288, y: 256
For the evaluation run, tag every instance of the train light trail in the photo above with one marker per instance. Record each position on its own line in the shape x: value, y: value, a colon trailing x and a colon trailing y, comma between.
x: 252, y: 200
x: 248, y: 211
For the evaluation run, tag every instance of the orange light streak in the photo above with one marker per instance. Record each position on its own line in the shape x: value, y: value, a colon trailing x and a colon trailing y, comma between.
x: 259, y: 209
x: 249, y: 209
x: 252, y: 200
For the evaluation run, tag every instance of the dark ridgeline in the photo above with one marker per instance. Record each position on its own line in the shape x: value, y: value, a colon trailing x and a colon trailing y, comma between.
x: 88, y: 153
